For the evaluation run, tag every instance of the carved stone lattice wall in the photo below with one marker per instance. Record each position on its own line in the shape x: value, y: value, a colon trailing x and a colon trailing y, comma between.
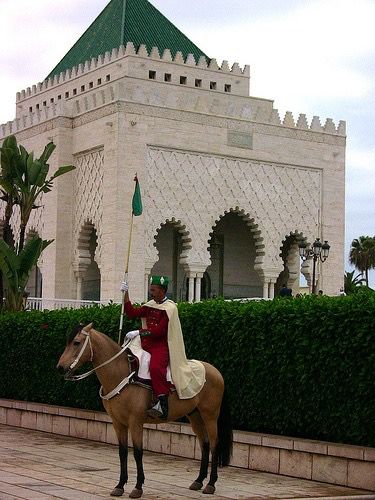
x: 196, y: 189
x: 88, y: 198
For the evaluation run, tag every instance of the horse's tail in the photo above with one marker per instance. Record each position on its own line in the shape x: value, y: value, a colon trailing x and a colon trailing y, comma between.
x: 225, y: 433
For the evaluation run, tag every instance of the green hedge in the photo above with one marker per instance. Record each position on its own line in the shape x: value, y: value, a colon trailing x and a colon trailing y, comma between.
x: 302, y: 367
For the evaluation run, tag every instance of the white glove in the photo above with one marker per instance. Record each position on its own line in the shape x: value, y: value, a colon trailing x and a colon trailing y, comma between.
x: 132, y: 334
x: 124, y: 287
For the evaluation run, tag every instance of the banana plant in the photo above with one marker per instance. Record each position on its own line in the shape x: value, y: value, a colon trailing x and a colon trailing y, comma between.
x: 29, y: 178
x: 16, y: 269
x: 9, y: 158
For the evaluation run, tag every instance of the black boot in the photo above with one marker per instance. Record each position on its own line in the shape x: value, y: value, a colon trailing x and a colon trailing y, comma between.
x: 164, y: 406
x: 160, y: 409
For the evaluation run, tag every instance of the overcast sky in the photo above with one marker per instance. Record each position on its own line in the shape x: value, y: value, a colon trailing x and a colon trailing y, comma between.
x: 310, y: 56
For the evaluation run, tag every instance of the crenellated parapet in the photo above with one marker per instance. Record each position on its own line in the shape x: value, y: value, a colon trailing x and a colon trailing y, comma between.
x: 155, y: 79
x: 117, y: 54
x: 302, y: 123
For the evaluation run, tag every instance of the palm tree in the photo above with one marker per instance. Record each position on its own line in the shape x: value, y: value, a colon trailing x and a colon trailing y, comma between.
x: 362, y: 254
x: 8, y: 193
x: 351, y: 282
x: 16, y: 269
x: 28, y: 178
x: 22, y: 180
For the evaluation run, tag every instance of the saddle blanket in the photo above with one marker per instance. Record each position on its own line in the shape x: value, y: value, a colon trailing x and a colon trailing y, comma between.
x: 135, y: 348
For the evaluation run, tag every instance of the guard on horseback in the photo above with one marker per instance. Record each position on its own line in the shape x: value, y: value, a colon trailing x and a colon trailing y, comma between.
x: 161, y: 336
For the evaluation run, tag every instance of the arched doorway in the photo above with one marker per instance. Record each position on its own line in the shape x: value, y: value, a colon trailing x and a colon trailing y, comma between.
x: 169, y: 244
x: 290, y: 275
x: 233, y: 252
x: 91, y: 278
x: 87, y: 269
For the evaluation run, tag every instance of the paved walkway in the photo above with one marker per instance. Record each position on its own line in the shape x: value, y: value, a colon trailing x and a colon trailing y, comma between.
x: 39, y: 466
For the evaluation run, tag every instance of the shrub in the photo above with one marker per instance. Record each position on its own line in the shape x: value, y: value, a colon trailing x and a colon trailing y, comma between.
x: 301, y: 367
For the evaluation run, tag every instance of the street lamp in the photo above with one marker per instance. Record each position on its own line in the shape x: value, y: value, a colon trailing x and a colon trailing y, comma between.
x: 319, y: 251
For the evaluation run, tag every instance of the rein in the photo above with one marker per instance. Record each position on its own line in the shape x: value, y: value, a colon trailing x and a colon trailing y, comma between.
x: 75, y: 378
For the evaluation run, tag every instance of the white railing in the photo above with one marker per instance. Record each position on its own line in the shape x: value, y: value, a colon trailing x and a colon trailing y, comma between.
x: 39, y: 304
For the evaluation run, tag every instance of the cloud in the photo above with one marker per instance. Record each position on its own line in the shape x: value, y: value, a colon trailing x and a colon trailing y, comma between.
x: 304, y: 55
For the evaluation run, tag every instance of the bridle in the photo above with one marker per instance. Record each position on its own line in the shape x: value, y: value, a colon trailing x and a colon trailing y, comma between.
x: 79, y: 356
x: 87, y: 341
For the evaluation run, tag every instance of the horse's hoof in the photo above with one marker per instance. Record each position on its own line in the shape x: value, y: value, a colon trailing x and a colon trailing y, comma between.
x: 117, y: 492
x: 136, y: 493
x: 196, y: 486
x: 209, y: 489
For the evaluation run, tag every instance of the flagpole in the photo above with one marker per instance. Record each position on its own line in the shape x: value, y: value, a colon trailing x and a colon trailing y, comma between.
x: 125, y: 279
x: 134, y: 212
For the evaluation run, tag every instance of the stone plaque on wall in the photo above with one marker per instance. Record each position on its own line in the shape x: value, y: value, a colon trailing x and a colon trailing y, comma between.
x: 240, y: 139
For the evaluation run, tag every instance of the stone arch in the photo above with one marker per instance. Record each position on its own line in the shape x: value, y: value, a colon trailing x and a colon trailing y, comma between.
x: 289, y: 254
x: 180, y: 227
x: 254, y: 228
x: 87, y: 262
x: 236, y: 251
x: 171, y: 246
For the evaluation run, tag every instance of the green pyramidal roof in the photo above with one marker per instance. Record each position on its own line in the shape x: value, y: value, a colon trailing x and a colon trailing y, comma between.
x: 123, y: 21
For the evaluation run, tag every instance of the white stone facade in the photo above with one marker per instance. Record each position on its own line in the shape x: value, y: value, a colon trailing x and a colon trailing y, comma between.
x: 216, y: 167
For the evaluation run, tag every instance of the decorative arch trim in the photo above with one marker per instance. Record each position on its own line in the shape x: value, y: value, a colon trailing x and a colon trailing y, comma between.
x: 254, y: 228
x: 185, y: 238
x: 82, y: 251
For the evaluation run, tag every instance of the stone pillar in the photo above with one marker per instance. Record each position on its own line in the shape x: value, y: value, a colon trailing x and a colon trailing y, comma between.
x: 148, y: 266
x: 198, y: 283
x: 269, y: 277
x: 271, y: 293
x: 147, y: 278
x: 191, y: 287
x: 79, y: 277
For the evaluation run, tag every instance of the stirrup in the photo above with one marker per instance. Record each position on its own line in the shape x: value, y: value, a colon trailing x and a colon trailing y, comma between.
x: 156, y: 411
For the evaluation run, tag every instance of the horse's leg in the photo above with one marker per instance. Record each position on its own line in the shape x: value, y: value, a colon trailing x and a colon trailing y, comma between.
x: 199, y: 429
x: 136, y: 431
x: 122, y: 435
x: 211, y: 426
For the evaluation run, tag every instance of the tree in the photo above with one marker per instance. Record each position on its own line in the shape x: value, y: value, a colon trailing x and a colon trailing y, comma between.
x: 362, y: 254
x: 27, y: 177
x: 16, y: 269
x: 8, y: 193
x: 22, y: 180
x: 351, y: 282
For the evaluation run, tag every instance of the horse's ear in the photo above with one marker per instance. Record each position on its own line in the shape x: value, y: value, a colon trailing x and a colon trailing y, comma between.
x: 88, y: 327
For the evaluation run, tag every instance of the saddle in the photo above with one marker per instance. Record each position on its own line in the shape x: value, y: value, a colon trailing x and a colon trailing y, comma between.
x: 139, y: 363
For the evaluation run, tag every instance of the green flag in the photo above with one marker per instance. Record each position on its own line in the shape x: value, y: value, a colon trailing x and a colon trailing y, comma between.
x: 137, y: 199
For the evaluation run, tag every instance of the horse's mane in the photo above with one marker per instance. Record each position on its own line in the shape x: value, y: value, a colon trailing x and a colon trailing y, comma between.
x: 76, y: 329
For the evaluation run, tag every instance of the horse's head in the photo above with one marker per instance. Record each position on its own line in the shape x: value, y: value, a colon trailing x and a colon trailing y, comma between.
x: 78, y: 351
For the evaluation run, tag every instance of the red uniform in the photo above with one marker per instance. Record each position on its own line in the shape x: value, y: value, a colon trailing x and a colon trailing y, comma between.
x: 156, y: 344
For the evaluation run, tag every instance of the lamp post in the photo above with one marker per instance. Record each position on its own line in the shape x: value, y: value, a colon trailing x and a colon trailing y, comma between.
x: 319, y: 251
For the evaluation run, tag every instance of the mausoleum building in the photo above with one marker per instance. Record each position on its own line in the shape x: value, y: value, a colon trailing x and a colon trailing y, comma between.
x: 228, y: 186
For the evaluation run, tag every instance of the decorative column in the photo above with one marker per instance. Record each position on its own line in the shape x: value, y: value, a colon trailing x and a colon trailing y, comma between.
x: 145, y: 292
x: 79, y: 278
x: 271, y: 293
x: 149, y: 264
x: 198, y: 284
x: 191, y: 287
x: 269, y: 277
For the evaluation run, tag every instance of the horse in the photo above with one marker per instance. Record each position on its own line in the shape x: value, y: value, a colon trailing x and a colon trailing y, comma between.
x: 127, y: 403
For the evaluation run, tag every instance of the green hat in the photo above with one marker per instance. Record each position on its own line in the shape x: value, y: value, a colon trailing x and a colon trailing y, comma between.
x: 159, y: 280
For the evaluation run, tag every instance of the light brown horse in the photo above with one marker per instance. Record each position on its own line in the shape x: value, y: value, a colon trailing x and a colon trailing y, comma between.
x: 207, y: 411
